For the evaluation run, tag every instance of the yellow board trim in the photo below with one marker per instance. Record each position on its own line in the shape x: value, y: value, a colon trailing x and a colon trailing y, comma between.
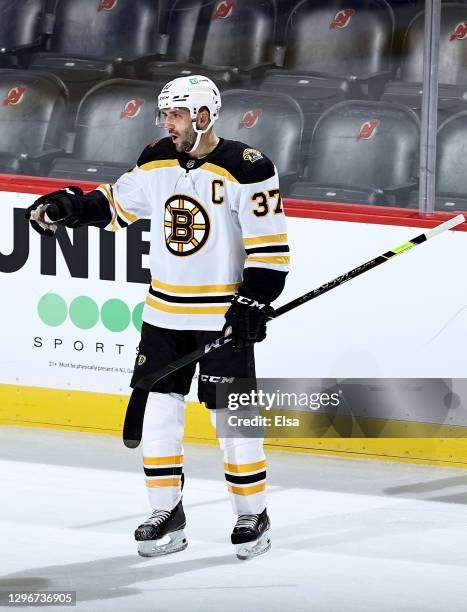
x: 247, y: 490
x: 160, y: 163
x: 265, y: 239
x: 196, y: 310
x: 163, y: 482
x: 104, y: 413
x: 219, y: 171
x: 277, y: 259
x: 174, y: 460
x: 241, y: 468
x: 156, y: 284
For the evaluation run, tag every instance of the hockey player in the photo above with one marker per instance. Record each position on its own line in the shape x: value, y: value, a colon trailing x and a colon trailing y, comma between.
x: 218, y: 258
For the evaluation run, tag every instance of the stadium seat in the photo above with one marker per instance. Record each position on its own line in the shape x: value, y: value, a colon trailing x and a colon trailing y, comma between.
x: 225, y: 40
x: 451, y: 168
x: 334, y: 51
x: 404, y: 11
x: 22, y: 27
x: 272, y: 123
x: 362, y: 152
x: 452, y: 63
x: 115, y: 122
x: 32, y: 111
x: 92, y: 38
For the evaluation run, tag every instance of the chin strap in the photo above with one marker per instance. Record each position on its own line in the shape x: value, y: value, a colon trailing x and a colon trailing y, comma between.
x: 199, y: 134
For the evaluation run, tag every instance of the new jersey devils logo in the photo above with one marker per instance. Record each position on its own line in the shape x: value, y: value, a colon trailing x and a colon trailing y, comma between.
x: 223, y: 9
x: 460, y: 31
x: 132, y: 108
x: 15, y: 96
x: 342, y: 19
x: 106, y: 5
x: 368, y: 129
x: 250, y: 118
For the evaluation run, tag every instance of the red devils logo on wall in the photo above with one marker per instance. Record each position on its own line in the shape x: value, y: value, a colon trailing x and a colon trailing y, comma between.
x: 460, y: 31
x: 223, y: 9
x: 342, y: 19
x: 368, y: 129
x: 106, y: 5
x: 250, y: 118
x: 132, y: 109
x: 14, y: 96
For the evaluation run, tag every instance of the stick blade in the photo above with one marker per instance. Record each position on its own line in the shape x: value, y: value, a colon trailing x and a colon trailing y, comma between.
x: 129, y: 443
x: 134, y: 418
x: 447, y: 225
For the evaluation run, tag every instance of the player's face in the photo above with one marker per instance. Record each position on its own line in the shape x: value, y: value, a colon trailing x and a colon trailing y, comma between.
x: 177, y: 122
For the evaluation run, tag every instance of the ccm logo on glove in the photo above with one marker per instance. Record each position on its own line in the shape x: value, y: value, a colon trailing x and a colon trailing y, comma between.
x: 241, y: 299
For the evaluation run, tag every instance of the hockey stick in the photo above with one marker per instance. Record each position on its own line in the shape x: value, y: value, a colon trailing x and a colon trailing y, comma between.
x: 135, y: 412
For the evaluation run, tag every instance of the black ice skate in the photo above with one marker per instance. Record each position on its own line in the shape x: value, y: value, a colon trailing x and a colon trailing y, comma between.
x: 251, y: 535
x: 162, y: 533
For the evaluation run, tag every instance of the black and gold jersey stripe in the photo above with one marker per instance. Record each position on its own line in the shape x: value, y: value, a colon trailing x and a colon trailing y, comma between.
x: 193, y: 299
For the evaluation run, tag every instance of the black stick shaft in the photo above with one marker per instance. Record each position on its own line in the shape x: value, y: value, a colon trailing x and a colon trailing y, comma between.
x: 133, y: 426
x: 150, y: 380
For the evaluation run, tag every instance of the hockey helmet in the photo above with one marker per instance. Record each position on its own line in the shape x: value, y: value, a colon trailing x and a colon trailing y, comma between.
x: 193, y: 93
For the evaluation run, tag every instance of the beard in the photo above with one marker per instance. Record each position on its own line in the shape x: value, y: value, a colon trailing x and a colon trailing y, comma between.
x: 184, y: 140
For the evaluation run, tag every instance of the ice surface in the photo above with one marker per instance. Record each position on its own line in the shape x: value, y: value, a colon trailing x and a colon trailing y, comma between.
x: 347, y: 535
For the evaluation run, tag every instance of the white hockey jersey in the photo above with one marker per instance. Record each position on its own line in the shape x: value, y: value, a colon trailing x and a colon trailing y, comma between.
x: 210, y: 218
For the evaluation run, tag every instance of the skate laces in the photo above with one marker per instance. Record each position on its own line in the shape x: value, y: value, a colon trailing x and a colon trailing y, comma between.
x: 247, y: 520
x: 158, y: 517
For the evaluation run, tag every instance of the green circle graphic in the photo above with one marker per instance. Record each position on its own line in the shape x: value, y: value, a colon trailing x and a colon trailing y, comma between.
x: 52, y: 309
x: 115, y: 315
x: 138, y: 316
x: 84, y: 312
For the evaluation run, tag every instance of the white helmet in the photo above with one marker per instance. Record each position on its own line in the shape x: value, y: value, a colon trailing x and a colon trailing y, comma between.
x: 191, y: 92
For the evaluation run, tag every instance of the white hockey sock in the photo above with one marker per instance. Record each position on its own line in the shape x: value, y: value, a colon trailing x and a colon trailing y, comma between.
x: 164, y: 423
x: 245, y: 472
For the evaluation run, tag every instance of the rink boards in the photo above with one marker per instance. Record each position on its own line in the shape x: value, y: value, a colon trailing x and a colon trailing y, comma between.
x: 71, y: 317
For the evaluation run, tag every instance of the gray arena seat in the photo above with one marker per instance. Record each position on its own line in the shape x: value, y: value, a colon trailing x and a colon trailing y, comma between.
x: 272, y: 123
x: 32, y: 112
x: 115, y: 122
x: 92, y: 38
x: 362, y: 152
x: 334, y: 50
x: 404, y: 12
x: 225, y: 40
x: 452, y: 63
x: 451, y: 169
x: 22, y: 30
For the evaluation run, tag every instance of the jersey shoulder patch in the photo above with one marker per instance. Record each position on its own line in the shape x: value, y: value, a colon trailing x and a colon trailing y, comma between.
x: 161, y: 149
x: 245, y: 163
x: 252, y: 155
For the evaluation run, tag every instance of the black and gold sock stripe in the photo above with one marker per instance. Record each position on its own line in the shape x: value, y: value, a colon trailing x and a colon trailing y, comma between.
x: 246, y: 478
x: 163, y: 471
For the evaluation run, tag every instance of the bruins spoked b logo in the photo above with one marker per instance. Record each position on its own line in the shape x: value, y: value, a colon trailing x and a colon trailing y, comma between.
x: 186, y: 225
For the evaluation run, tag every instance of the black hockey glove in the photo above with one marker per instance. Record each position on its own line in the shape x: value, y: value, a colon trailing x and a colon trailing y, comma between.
x: 64, y: 207
x: 246, y: 320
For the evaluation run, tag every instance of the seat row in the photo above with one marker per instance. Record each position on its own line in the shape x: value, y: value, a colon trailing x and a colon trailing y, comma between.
x: 360, y: 151
x: 328, y: 52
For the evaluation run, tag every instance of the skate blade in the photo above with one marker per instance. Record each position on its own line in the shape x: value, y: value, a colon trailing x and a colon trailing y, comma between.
x: 253, y: 549
x: 171, y: 543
